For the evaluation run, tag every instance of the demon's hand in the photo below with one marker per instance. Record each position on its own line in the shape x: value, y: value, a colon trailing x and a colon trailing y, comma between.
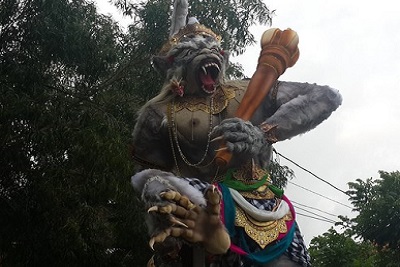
x: 193, y: 223
x: 240, y: 137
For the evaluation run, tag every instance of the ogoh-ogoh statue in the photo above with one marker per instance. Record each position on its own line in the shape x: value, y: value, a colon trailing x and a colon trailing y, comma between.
x: 205, y: 143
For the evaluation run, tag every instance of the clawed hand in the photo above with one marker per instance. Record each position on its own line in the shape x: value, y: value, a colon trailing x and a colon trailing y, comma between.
x: 239, y: 136
x: 193, y: 223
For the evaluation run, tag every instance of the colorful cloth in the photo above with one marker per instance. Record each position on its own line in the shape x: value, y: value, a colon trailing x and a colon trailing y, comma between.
x: 291, y: 245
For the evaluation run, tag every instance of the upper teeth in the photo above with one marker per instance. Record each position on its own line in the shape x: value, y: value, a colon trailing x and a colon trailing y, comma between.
x: 204, y: 67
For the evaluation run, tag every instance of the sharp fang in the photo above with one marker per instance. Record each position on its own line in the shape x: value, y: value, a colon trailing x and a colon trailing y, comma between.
x: 204, y: 69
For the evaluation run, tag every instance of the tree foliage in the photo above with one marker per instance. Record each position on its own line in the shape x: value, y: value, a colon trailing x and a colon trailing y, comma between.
x: 71, y: 82
x: 378, y: 204
x: 333, y: 249
x: 64, y: 134
x: 232, y: 20
x: 280, y: 174
x: 376, y: 227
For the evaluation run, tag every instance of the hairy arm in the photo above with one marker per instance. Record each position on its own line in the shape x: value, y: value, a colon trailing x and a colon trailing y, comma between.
x: 299, y: 107
x: 150, y: 140
x: 289, y: 109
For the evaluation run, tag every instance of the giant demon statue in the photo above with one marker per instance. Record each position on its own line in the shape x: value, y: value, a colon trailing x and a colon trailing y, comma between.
x: 204, y: 145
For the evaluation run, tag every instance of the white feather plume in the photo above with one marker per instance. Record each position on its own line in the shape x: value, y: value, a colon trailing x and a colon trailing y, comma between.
x: 179, y: 15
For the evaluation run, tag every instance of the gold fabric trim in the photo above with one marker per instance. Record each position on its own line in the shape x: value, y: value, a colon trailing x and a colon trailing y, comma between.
x: 263, y: 233
x: 193, y: 103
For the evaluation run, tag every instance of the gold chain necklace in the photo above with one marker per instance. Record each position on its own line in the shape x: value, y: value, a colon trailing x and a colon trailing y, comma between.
x: 173, y: 134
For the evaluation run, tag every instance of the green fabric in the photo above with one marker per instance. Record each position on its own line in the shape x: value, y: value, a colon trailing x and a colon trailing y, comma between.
x: 276, y: 190
x: 230, y: 182
x: 240, y: 186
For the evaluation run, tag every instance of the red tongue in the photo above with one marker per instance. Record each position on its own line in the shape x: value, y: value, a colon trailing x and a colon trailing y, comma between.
x: 207, y: 81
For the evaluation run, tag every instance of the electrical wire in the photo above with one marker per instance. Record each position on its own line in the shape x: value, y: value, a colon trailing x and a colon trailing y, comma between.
x: 320, y: 195
x: 331, y: 214
x: 304, y: 169
x: 316, y: 214
x: 315, y: 218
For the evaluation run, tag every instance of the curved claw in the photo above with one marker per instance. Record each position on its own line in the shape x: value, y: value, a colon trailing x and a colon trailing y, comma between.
x: 174, y: 221
x: 154, y: 208
x: 151, y: 243
x: 218, y: 138
x: 213, y: 197
x: 213, y: 188
x: 221, y: 149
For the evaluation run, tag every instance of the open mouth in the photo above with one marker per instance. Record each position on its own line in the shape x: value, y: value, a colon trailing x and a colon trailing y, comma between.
x: 208, y: 76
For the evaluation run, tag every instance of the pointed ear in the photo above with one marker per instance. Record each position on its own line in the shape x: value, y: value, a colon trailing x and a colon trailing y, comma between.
x: 161, y: 63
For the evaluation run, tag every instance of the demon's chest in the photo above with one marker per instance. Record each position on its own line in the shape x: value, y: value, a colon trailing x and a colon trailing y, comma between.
x: 193, y: 126
x: 192, y: 119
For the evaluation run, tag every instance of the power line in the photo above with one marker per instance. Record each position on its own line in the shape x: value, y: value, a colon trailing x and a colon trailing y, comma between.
x: 331, y: 214
x: 320, y: 195
x: 316, y: 214
x: 315, y: 218
x: 304, y: 169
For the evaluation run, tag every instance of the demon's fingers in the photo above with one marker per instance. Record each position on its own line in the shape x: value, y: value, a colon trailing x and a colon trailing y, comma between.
x: 178, y: 198
x: 175, y: 210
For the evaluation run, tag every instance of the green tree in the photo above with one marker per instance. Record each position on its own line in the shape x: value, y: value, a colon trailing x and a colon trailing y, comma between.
x: 378, y: 204
x: 333, y: 249
x: 376, y: 226
x: 70, y: 84
x: 64, y: 191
